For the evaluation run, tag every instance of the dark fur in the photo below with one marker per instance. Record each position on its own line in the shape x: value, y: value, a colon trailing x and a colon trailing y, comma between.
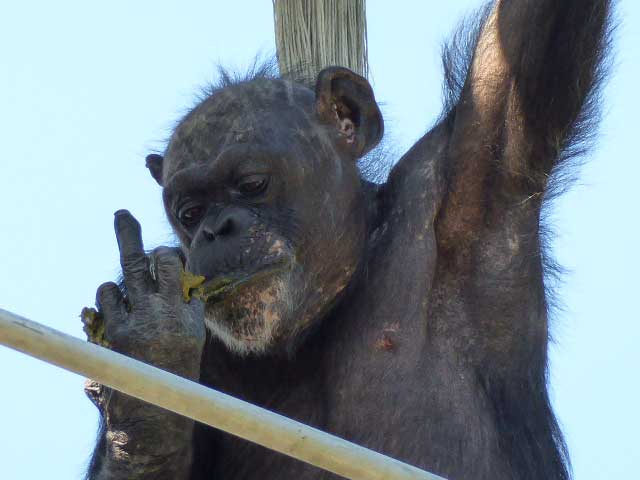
x: 436, y: 352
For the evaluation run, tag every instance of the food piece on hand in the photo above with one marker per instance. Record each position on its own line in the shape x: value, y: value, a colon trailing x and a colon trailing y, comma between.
x: 93, y: 326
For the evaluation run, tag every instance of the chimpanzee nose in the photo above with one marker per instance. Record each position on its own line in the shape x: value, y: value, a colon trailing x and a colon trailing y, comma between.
x: 223, y: 226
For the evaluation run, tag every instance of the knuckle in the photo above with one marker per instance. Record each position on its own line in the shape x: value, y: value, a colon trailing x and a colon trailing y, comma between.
x: 167, y: 262
x: 108, y: 291
x: 134, y: 264
x: 164, y: 250
x: 167, y: 255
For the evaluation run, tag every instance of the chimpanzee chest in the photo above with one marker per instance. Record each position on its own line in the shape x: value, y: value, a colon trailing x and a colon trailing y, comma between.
x: 378, y: 350
x: 394, y: 388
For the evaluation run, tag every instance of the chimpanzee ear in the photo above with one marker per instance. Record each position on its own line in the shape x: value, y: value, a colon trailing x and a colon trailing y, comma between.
x: 345, y: 100
x: 154, y: 164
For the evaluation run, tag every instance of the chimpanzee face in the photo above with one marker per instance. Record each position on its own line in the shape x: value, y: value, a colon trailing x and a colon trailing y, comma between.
x: 261, y: 186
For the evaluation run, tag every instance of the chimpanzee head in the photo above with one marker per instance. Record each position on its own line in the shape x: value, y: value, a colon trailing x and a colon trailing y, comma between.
x: 262, y: 188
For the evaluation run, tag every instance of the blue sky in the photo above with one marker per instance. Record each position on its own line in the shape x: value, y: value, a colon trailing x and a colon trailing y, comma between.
x: 88, y: 88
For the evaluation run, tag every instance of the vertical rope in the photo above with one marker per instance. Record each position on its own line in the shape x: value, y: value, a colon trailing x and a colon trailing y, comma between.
x: 314, y: 34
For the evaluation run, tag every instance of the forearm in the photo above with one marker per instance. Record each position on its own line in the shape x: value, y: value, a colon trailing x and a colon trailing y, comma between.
x: 554, y: 53
x: 538, y: 59
x: 139, y: 440
x: 528, y: 101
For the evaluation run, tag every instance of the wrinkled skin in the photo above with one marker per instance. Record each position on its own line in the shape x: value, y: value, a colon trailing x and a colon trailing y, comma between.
x: 408, y: 317
x: 155, y: 326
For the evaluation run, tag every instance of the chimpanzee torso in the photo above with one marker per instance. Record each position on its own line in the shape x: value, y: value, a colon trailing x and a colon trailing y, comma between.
x: 376, y: 372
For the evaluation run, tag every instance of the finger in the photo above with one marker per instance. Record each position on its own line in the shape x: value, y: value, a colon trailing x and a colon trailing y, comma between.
x: 168, y: 265
x: 132, y: 256
x: 110, y: 301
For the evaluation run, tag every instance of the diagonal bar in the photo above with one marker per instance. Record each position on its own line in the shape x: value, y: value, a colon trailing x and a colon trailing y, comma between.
x: 203, y: 404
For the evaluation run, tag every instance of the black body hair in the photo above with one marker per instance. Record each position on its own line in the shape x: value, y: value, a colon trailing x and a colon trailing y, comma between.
x: 529, y: 438
x: 526, y: 405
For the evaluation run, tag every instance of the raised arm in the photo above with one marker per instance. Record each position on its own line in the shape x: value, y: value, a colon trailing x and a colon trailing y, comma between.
x: 529, y: 102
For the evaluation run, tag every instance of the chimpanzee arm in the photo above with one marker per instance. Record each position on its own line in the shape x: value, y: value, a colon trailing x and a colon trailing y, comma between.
x: 138, y: 440
x: 527, y: 103
x: 152, y: 324
x: 529, y: 100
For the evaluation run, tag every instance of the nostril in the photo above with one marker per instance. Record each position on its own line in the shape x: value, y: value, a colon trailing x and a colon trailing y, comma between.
x: 222, y: 228
x: 208, y: 234
x: 225, y: 227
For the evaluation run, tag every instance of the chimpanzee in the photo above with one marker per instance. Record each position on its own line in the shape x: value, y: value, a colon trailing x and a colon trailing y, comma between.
x: 409, y: 317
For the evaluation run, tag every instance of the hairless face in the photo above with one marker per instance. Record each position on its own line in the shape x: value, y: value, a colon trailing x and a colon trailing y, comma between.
x: 261, y: 186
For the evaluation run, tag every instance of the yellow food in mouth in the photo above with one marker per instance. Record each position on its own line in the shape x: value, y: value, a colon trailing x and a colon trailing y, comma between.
x: 197, y: 286
x: 190, y: 282
x: 194, y: 286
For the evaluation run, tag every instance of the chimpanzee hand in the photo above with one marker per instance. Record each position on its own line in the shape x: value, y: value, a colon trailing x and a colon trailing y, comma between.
x: 152, y: 323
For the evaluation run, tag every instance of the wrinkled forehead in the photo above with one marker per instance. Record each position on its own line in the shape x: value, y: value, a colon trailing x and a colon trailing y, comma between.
x: 265, y: 113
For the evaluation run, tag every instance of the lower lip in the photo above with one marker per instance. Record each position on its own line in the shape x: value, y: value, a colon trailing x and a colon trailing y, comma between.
x: 209, y: 293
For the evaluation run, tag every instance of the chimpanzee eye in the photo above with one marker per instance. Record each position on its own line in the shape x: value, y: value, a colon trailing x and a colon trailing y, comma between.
x: 189, y: 215
x: 252, y: 184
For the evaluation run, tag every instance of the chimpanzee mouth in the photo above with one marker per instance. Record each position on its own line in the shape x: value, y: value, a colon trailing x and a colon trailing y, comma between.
x: 221, y: 286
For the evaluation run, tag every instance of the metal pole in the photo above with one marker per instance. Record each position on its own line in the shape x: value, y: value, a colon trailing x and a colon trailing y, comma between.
x: 203, y: 404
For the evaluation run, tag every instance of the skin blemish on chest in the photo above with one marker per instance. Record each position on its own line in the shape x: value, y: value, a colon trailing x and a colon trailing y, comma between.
x: 385, y: 344
x: 392, y: 328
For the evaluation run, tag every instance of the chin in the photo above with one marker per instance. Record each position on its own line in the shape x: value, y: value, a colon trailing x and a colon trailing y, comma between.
x: 254, y: 318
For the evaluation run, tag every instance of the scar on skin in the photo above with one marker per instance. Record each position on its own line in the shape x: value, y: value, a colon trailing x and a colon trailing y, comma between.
x: 93, y: 326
